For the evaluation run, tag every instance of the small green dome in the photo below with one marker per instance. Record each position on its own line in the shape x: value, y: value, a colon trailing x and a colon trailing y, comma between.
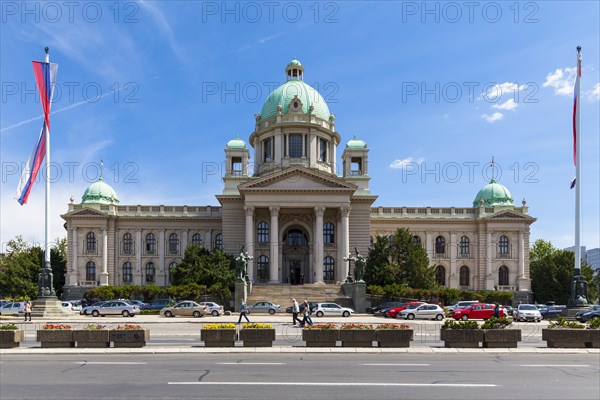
x: 236, y: 144
x: 493, y: 194
x: 99, y: 193
x: 356, y: 144
x: 295, y: 62
x: 295, y: 89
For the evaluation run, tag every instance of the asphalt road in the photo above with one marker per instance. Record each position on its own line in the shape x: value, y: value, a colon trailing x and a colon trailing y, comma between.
x: 301, y: 376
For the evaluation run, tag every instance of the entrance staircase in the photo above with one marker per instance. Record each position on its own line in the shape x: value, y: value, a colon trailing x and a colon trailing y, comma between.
x: 283, y: 294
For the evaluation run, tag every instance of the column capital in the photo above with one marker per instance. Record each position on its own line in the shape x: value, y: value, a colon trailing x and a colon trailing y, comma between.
x: 274, y: 210
x: 345, y: 210
x: 319, y: 211
x: 249, y: 210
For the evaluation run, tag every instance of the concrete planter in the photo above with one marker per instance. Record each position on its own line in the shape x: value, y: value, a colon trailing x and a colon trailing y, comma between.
x: 501, y: 338
x: 129, y: 337
x: 91, y: 338
x: 12, y: 338
x: 358, y: 337
x: 56, y: 338
x: 468, y: 338
x: 572, y: 338
x: 257, y: 337
x: 320, y: 338
x: 218, y: 337
x: 393, y: 337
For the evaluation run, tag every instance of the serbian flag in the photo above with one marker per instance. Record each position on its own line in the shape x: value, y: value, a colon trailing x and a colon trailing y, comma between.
x: 576, y: 105
x: 45, y: 78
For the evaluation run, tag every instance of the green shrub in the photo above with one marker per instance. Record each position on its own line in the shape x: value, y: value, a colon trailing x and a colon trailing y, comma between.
x: 594, y: 323
x: 451, y: 324
x: 562, y: 323
x: 496, y: 323
x: 8, y: 327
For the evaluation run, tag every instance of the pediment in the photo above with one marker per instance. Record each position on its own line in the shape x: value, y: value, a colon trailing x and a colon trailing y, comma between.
x: 87, y: 212
x: 510, y: 215
x: 298, y: 179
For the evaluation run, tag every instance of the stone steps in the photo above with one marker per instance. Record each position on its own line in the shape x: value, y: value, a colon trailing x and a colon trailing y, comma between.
x: 283, y: 294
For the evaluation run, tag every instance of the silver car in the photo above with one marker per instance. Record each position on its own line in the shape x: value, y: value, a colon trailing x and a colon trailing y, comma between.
x: 214, y: 308
x: 424, y: 311
x: 112, y: 307
x: 264, y: 307
x: 331, y: 309
x: 528, y: 312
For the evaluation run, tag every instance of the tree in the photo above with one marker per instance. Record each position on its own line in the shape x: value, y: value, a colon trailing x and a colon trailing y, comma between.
x: 552, y: 271
x: 19, y: 269
x: 203, y: 267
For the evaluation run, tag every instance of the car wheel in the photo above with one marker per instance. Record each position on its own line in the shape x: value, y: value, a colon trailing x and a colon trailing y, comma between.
x: 464, y: 317
x: 272, y: 312
x: 346, y: 314
x: 168, y: 314
x: 410, y: 316
x: 215, y: 313
x: 95, y: 313
x: 319, y: 314
x: 125, y: 313
x: 439, y: 317
x: 197, y: 314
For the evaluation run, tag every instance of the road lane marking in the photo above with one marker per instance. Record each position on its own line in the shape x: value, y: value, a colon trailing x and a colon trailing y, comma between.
x: 249, y: 363
x: 340, y: 384
x: 554, y: 365
x: 110, y: 362
x: 397, y: 365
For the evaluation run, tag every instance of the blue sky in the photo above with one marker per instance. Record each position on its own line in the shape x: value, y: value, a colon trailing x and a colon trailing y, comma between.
x: 156, y: 89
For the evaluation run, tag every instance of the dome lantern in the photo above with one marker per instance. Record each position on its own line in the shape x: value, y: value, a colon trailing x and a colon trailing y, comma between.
x: 294, y: 70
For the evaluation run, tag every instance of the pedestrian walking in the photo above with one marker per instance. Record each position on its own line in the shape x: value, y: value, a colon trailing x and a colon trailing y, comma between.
x: 307, y: 319
x: 497, y: 310
x: 243, y: 312
x: 295, y: 312
x: 27, y: 310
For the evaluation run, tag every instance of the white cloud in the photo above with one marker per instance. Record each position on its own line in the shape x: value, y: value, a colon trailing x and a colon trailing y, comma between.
x: 399, y: 164
x: 508, y: 105
x: 561, y: 81
x: 497, y: 116
x: 594, y: 94
x: 498, y: 90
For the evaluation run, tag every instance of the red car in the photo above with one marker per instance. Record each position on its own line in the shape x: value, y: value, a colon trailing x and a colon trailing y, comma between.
x: 392, y: 312
x: 477, y: 311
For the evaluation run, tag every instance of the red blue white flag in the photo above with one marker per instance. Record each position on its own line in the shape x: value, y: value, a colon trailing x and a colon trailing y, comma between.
x: 45, y: 78
x: 576, y: 99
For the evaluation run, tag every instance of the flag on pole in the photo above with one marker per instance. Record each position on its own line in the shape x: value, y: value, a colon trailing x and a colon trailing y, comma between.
x: 45, y: 78
x: 576, y: 106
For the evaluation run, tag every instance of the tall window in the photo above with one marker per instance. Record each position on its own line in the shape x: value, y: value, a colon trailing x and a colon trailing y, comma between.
x: 197, y: 239
x: 172, y: 267
x: 219, y: 241
x: 173, y: 243
x: 295, y: 237
x: 90, y: 242
x: 263, y: 268
x: 328, y: 269
x: 416, y: 240
x: 328, y: 233
x: 463, y: 248
x: 463, y: 274
x: 440, y: 245
x: 503, y: 246
x: 127, y: 244
x: 150, y: 272
x: 503, y: 275
x: 90, y: 271
x: 262, y: 232
x: 127, y: 272
x: 440, y: 275
x: 295, y: 145
x: 268, y: 150
x: 323, y: 150
x: 150, y: 243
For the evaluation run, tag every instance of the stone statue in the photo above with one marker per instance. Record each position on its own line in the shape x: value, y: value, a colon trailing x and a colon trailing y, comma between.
x: 359, y: 266
x: 579, y: 291
x: 241, y: 264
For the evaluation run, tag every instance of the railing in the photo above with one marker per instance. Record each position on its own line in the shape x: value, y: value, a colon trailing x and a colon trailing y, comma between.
x: 87, y: 283
x: 506, y: 288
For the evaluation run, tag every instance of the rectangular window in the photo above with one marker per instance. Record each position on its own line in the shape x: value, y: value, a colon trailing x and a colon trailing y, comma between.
x: 295, y: 150
x: 322, y: 150
x: 236, y: 166
x: 356, y: 166
x: 268, y: 150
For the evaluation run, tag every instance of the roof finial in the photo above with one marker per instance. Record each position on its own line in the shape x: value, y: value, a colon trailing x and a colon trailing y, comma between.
x: 101, y: 168
x: 492, y: 165
x: 47, y: 56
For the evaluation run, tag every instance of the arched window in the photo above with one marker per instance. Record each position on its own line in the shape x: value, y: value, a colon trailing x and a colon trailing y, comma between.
x: 127, y: 244
x: 127, y: 272
x: 197, y: 239
x: 150, y: 243
x: 463, y: 273
x: 328, y: 233
x: 416, y: 239
x: 440, y: 275
x: 219, y: 241
x: 262, y: 268
x: 464, y: 247
x: 295, y: 237
x: 173, y: 243
x: 328, y: 269
x: 440, y: 245
x: 150, y: 272
x: 172, y: 267
x: 90, y: 271
x: 503, y: 275
x: 262, y: 232
x: 503, y: 246
x: 90, y: 243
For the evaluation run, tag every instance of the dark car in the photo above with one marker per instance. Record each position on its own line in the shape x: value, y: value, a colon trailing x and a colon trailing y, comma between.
x: 551, y: 312
x: 158, y: 304
x: 592, y: 313
x: 377, y: 310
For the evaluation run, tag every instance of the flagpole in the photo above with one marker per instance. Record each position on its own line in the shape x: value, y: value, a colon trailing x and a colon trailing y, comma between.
x: 578, y: 167
x: 47, y: 265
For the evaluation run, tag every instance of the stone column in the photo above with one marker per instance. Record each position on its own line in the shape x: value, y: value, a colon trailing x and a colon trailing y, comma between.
x: 161, y: 257
x: 489, y: 279
x: 453, y: 280
x: 104, y: 273
x: 74, y: 272
x: 345, y: 210
x: 521, y: 255
x: 318, y: 249
x: 139, y: 248
x: 208, y: 245
x: 184, y: 242
x: 429, y: 245
x: 250, y: 239
x: 274, y: 253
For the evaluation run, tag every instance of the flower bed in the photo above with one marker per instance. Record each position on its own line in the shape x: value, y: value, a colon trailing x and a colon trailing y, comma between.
x: 56, y: 335
x: 567, y: 334
x: 129, y: 335
x: 461, y: 334
x: 10, y: 336
x: 393, y: 335
x: 218, y: 335
x: 357, y: 335
x: 495, y: 334
x: 257, y: 335
x: 321, y: 335
x: 92, y: 335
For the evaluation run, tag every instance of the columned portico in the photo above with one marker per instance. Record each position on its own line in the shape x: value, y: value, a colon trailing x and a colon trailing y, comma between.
x: 250, y: 239
x: 274, y: 246
x: 318, y: 248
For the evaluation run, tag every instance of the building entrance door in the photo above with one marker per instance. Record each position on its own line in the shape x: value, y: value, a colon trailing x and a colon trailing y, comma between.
x: 296, y: 256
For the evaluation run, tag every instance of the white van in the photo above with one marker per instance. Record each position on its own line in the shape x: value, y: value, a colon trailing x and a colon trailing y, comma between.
x: 13, y: 308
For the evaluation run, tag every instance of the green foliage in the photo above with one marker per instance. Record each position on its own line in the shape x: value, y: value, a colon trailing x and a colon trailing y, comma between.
x: 594, y: 323
x: 8, y: 327
x: 150, y: 312
x: 562, y: 323
x: 552, y: 271
x: 203, y: 267
x: 442, y: 295
x: 496, y: 323
x: 451, y: 324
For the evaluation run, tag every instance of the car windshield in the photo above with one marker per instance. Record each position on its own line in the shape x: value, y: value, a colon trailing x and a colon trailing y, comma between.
x: 527, y: 307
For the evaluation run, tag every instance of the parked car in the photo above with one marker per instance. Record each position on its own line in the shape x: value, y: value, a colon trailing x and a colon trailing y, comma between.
x: 87, y: 310
x: 592, y: 313
x: 332, y: 309
x: 392, y: 312
x: 264, y: 307
x: 527, y: 312
x: 68, y: 306
x: 386, y: 305
x: 12, y: 308
x: 186, y: 309
x: 462, y: 304
x: 214, y: 308
x: 551, y: 312
x: 424, y: 311
x: 383, y: 311
x: 113, y: 307
x: 477, y: 311
x: 139, y: 303
x: 158, y: 304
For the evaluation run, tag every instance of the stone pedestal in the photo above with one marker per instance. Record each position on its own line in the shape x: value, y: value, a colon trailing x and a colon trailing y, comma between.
x: 360, y: 297
x: 48, y: 307
x: 241, y: 294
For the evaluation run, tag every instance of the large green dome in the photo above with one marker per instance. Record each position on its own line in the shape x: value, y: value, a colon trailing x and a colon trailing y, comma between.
x: 493, y: 194
x: 100, y: 193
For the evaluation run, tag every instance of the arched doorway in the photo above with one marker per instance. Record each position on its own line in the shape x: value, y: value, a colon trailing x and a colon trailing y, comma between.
x: 296, y: 256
